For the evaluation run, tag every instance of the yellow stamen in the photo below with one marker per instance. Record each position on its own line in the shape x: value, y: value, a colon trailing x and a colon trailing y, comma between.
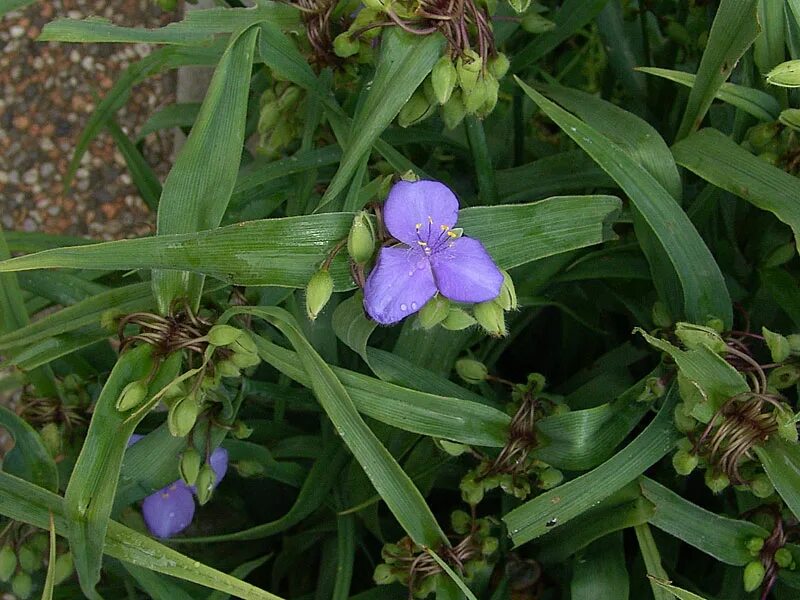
x: 452, y: 234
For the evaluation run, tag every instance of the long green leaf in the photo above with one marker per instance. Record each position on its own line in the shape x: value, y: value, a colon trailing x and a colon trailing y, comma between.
x: 781, y: 461
x: 6, y: 6
x: 734, y: 29
x: 753, y: 101
x: 600, y: 571
x: 172, y: 115
x: 703, y: 291
x: 719, y: 160
x: 557, y: 506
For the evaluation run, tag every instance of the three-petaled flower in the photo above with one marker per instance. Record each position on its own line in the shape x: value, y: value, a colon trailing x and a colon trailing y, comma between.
x: 170, y: 510
x: 432, y: 257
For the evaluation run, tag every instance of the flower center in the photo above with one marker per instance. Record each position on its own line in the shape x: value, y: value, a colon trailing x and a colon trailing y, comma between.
x: 432, y: 239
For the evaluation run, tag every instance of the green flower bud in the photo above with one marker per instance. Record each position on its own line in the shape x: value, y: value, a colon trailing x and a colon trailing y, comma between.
x: 468, y: 68
x: 794, y: 343
x: 716, y: 324
x: 243, y: 360
x: 754, y: 545
x: 457, y: 319
x: 361, y: 240
x: 250, y: 468
x: 490, y: 316
x: 703, y: 411
x: 783, y: 377
x: 64, y: 567
x: 783, y: 557
x: 753, y: 575
x: 241, y: 431
x: 132, y: 396
x: 8, y: 563
x: 444, y: 78
x: 489, y: 546
x: 222, y: 335
x: 226, y: 368
x: 550, y: 478
x: 417, y: 109
x: 778, y: 345
x: 786, y: 74
x: 22, y: 585
x: 471, y: 491
x: 471, y: 371
x: 507, y: 300
x: 190, y: 465
x: 533, y: 22
x: 454, y: 111
x: 182, y: 416
x: 716, y: 482
x: 684, y: 422
x: 206, y: 479
x: 289, y: 98
x: 318, y: 292
x: 498, y: 65
x: 453, y: 448
x: 51, y: 438
x: 477, y: 95
x: 684, y: 462
x: 787, y: 425
x: 460, y: 521
x: 762, y: 134
x: 426, y: 586
x: 791, y: 118
x: 696, y: 336
x: 383, y: 575
x: 30, y: 561
x: 244, y: 343
x: 268, y: 118
x: 434, y: 312
x: 761, y: 486
x: 345, y: 45
x: 520, y: 6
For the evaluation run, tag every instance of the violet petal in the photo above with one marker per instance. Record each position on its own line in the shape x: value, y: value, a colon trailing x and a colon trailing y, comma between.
x: 464, y: 272
x: 168, y: 511
x: 399, y: 285
x: 427, y: 204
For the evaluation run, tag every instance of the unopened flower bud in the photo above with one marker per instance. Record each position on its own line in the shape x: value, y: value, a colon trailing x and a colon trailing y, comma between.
x: 684, y: 462
x: 490, y: 316
x: 361, y: 240
x: 29, y: 560
x: 716, y: 482
x: 51, y: 438
x: 786, y: 74
x: 206, y: 480
x: 241, y: 431
x: 318, y: 292
x: 477, y: 95
x: 696, y: 336
x: 549, y: 478
x: 520, y: 6
x: 243, y: 360
x: 783, y: 557
x: 383, y: 575
x: 22, y: 585
x: 754, y: 545
x: 268, y: 118
x: 182, y: 416
x: 498, y: 65
x: 471, y: 371
x: 533, y: 22
x: 417, y: 109
x: 508, y: 293
x: 345, y: 45
x: 684, y: 422
x: 454, y: 111
x: 190, y: 465
x: 753, y: 575
x: 444, y: 78
x: 490, y: 546
x: 226, y: 368
x: 289, y: 98
x: 791, y: 118
x: 490, y: 101
x: 761, y: 486
x: 222, y: 335
x: 457, y: 319
x: 8, y: 563
x: 64, y: 568
x: 132, y: 396
x: 471, y: 491
x: 460, y: 521
x: 787, y: 425
x: 468, y: 69
x: 778, y: 345
x: 434, y: 312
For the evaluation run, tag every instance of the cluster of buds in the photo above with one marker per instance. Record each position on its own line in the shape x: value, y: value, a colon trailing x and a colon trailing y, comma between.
x: 24, y: 555
x: 280, y: 119
x: 464, y: 86
x: 514, y: 470
x: 777, y: 142
x: 69, y: 412
x: 473, y: 552
x: 722, y: 432
x: 454, y: 317
x: 770, y: 554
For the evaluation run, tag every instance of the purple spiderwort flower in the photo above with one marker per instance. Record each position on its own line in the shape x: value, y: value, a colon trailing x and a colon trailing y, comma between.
x: 170, y: 510
x: 422, y: 214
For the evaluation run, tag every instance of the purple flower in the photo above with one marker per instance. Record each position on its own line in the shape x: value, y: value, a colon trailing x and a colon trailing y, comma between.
x: 432, y: 258
x: 170, y: 510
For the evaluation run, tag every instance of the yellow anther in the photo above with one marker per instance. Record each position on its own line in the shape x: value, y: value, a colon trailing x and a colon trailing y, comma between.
x: 417, y: 226
x: 430, y: 220
x: 444, y: 227
x: 452, y: 234
x: 421, y: 243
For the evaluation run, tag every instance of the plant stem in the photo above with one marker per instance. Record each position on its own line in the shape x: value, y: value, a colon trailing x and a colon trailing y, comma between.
x: 484, y: 171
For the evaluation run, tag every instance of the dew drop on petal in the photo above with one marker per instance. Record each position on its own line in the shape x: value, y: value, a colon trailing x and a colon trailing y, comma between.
x: 403, y: 307
x: 413, y: 306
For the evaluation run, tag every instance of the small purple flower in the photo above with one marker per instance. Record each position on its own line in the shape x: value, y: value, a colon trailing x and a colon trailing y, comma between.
x: 170, y: 510
x: 433, y: 258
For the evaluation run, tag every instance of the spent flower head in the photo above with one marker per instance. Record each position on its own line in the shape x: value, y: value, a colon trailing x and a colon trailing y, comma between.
x: 431, y: 258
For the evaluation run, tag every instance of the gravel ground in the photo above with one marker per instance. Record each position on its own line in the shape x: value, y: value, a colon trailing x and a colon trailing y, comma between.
x: 46, y: 96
